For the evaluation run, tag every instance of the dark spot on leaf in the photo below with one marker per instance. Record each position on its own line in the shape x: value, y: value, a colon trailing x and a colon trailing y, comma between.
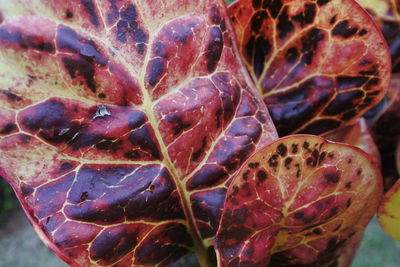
x: 245, y: 175
x: 348, y: 185
x: 344, y: 30
x: 348, y: 203
x: 178, y: 125
x: 292, y: 55
x: 322, y: 2
x: 262, y: 49
x: 282, y: 150
x: 317, y: 231
x: 363, y: 32
x: 84, y: 196
x: 333, y: 20
x: 262, y: 176
x: 254, y: 165
x: 273, y: 161
x: 257, y: 21
x: 294, y: 148
x: 81, y: 67
x: 69, y: 14
x: 332, y: 177
x: 321, y: 157
x: 12, y: 96
x: 26, y: 190
x: 306, y: 145
x: 307, y: 16
x: 287, y: 162
x: 285, y: 26
x: 8, y: 128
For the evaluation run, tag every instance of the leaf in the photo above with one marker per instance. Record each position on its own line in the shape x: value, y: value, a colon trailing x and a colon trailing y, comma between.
x: 378, y: 110
x: 317, y: 64
x: 387, y: 15
x: 386, y: 133
x: 389, y: 212
x: 122, y: 124
x: 301, y: 200
x: 358, y: 135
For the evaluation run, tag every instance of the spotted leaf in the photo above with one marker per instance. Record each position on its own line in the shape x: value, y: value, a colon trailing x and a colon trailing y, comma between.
x: 122, y: 123
x: 300, y: 201
x: 387, y: 15
x: 317, y: 63
x: 388, y: 212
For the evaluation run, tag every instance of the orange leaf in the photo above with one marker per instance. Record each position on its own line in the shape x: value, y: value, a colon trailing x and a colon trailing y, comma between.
x: 300, y: 200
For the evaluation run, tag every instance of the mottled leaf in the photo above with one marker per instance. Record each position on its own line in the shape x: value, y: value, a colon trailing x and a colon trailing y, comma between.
x: 122, y: 123
x: 358, y: 135
x: 301, y: 201
x: 387, y: 15
x: 379, y: 109
x: 389, y: 212
x: 317, y: 64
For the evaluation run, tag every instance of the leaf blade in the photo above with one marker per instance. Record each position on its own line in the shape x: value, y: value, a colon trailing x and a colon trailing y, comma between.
x: 292, y: 50
x: 301, y: 201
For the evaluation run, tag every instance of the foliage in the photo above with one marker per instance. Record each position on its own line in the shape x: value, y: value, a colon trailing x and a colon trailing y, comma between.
x: 125, y: 127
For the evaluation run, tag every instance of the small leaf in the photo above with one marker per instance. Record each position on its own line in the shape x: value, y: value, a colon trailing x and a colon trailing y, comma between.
x: 389, y: 212
x: 301, y: 200
x: 317, y: 64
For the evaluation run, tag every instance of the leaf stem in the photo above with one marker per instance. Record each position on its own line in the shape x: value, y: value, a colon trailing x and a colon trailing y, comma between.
x: 202, y: 256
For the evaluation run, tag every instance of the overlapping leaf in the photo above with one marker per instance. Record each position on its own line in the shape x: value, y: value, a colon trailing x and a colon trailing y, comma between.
x: 358, y: 135
x: 388, y: 213
x: 122, y: 123
x: 301, y: 201
x: 387, y: 15
x: 317, y: 63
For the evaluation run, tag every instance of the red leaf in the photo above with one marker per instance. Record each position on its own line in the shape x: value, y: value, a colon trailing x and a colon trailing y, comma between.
x: 299, y: 201
x: 122, y: 124
x: 387, y: 15
x: 317, y: 64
